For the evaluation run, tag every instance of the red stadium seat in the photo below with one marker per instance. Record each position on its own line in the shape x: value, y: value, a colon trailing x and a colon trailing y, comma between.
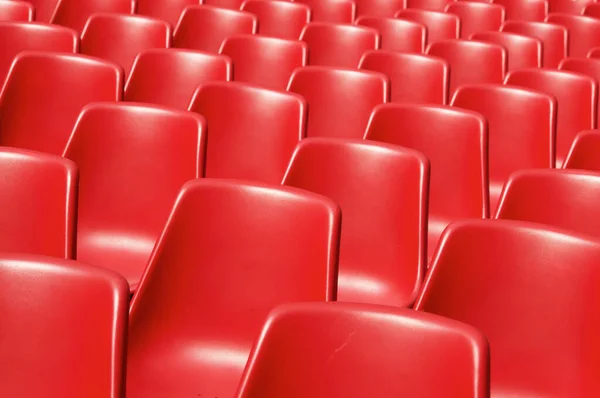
x: 169, y: 11
x: 530, y: 10
x: 75, y: 13
x: 339, y: 45
x: 382, y: 191
x: 43, y: 9
x: 533, y: 292
x: 336, y: 11
x: 133, y: 160
x: 192, y: 327
x: 170, y: 76
x: 45, y: 92
x: 265, y: 61
x: 574, y: 7
x: 471, y: 61
x: 205, y: 28
x: 230, y: 4
x: 378, y: 8
x: 584, y: 152
x: 594, y: 53
x: 585, y: 66
x: 584, y: 32
x: 253, y: 131
x: 385, y: 349
x: 522, y: 125
x: 414, y: 78
x: 29, y: 224
x: 577, y: 97
x: 340, y: 101
x: 522, y: 51
x: 281, y: 19
x: 440, y: 25
x: 16, y: 11
x: 476, y: 17
x: 455, y: 142
x: 397, y: 34
x: 119, y: 38
x: 64, y: 328
x: 429, y: 5
x: 592, y: 10
x: 554, y: 38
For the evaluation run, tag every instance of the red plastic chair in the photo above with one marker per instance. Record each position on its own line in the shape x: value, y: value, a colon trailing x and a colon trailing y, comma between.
x: 378, y: 8
x: 382, y: 190
x: 385, y: 349
x: 592, y: 10
x: 45, y: 92
x: 554, y: 38
x: 584, y: 32
x: 577, y: 97
x: 335, y: 11
x: 64, y: 328
x: 522, y: 126
x: 29, y: 224
x: 75, y: 13
x: 281, y: 19
x: 192, y: 327
x: 471, y: 61
x: 532, y: 291
x: 455, y: 142
x: 584, y: 151
x: 575, y: 7
x: 429, y: 5
x: 119, y: 38
x: 397, y: 34
x: 230, y: 4
x: 205, y: 28
x: 168, y: 11
x: 594, y: 53
x: 43, y: 9
x: 476, y: 17
x: 414, y: 78
x: 16, y: 11
x: 170, y: 76
x: 265, y: 61
x: 519, y: 10
x: 253, y: 131
x: 440, y: 25
x: 335, y: 108
x: 585, y: 66
x: 339, y: 45
x: 133, y: 160
x: 522, y: 51
x: 22, y: 36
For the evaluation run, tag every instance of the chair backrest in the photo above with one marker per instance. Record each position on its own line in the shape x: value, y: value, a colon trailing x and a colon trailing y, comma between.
x: 385, y: 349
x: 440, y: 25
x: 30, y: 225
x: 554, y: 38
x: 45, y: 92
x: 336, y: 11
x: 119, y: 38
x: 530, y: 10
x: 43, y: 9
x: 577, y: 97
x: 75, y: 13
x: 64, y: 328
x: 205, y: 27
x: 378, y: 8
x: 335, y: 109
x: 592, y: 10
x: 133, y: 160
x: 522, y: 51
x: 281, y: 19
x: 583, y: 153
x: 339, y: 45
x: 253, y: 131
x: 397, y: 34
x: 574, y: 7
x: 586, y: 66
x: 382, y: 190
x: 476, y: 17
x: 584, y: 32
x: 169, y: 11
x: 259, y: 247
x: 532, y: 291
x: 16, y: 11
x: 428, y: 5
x: 230, y: 4
x: 264, y: 61
x: 414, y: 78
x: 521, y: 124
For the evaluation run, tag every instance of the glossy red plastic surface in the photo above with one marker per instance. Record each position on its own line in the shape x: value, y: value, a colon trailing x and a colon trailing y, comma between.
x: 574, y: 7
x: 533, y: 292
x: 133, y: 160
x: 397, y: 34
x: 440, y: 25
x: 382, y: 190
x: 521, y: 124
x: 577, y: 97
x: 592, y: 10
x: 29, y: 224
x: 75, y: 13
x: 22, y: 36
x: 471, y: 62
x: 476, y: 17
x: 414, y: 78
x: 336, y: 11
x: 594, y: 53
x: 522, y: 51
x: 43, y: 9
x: 17, y: 11
x: 325, y: 350
x: 281, y: 19
x: 456, y: 143
x: 584, y: 32
x: 45, y: 92
x: 230, y: 4
x: 170, y: 76
x: 584, y: 152
x: 340, y: 45
x: 530, y: 10
x: 378, y: 8
x: 554, y: 38
x: 335, y: 107
x: 168, y: 11
x: 253, y: 131
x: 205, y: 27
x: 430, y: 5
x: 119, y: 38
x: 229, y: 254
x: 264, y: 61
x: 586, y: 66
x: 64, y: 328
